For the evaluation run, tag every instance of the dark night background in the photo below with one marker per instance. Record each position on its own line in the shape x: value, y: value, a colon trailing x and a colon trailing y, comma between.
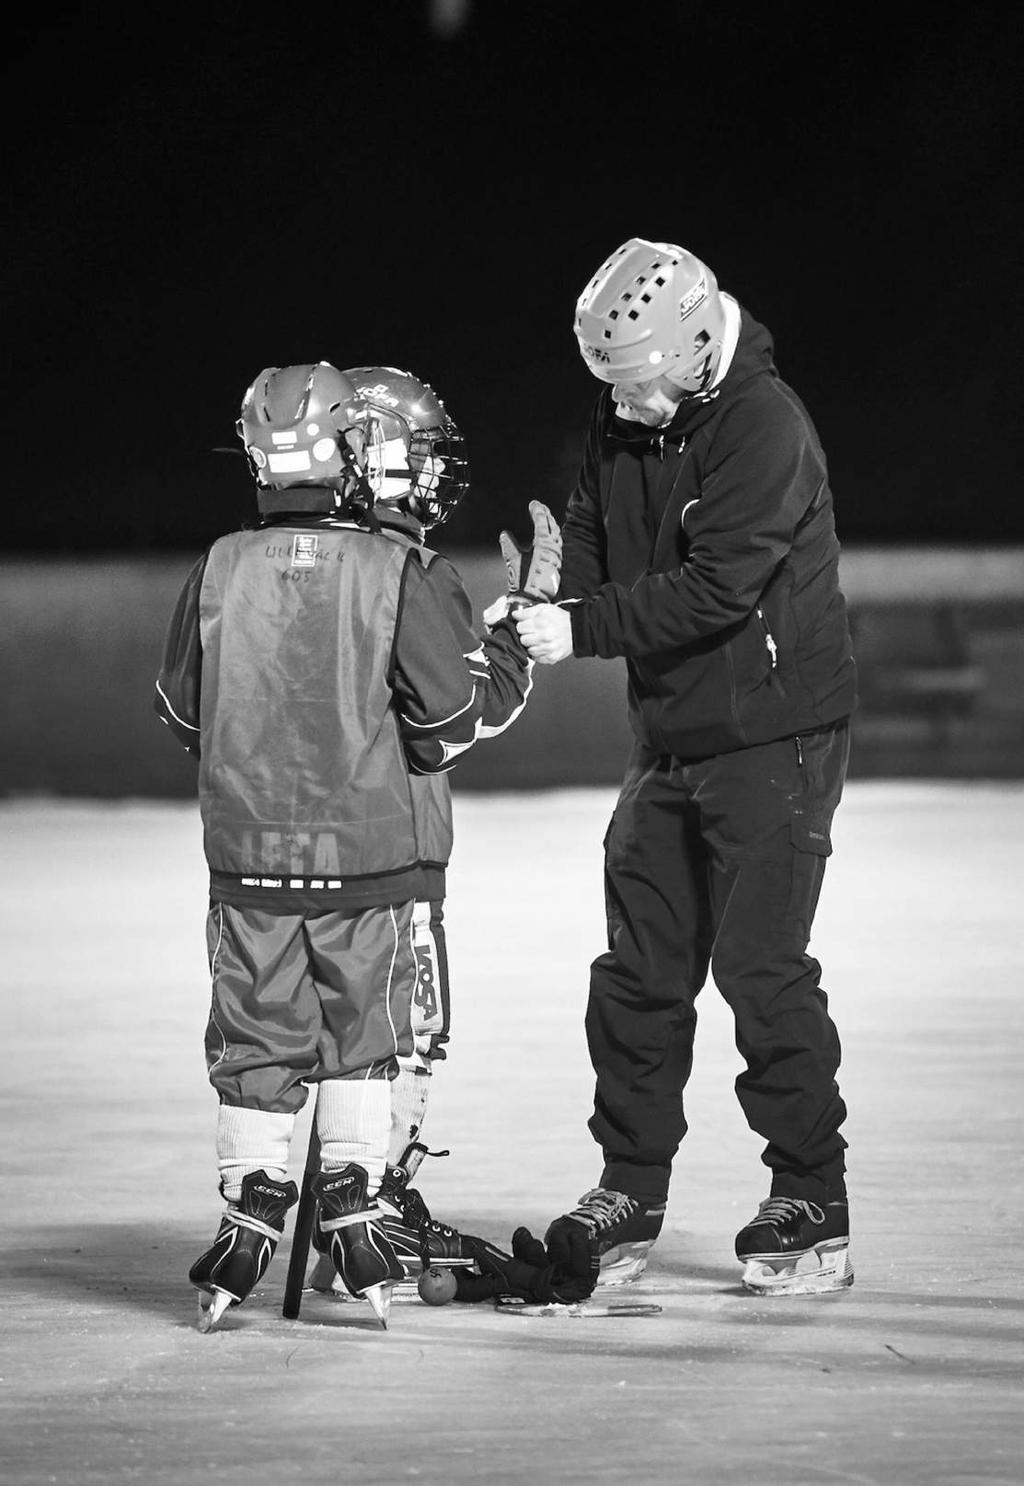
x: 431, y: 185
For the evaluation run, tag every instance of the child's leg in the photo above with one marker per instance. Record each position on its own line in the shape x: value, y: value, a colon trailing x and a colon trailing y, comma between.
x: 364, y: 972
x: 251, y: 1140
x: 430, y: 1020
x: 262, y: 1037
x: 353, y: 1116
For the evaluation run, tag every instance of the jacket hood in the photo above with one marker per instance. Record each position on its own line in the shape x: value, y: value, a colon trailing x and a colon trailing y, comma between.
x: 753, y: 357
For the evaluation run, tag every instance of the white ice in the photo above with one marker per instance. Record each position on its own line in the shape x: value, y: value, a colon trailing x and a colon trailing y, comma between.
x: 912, y: 1376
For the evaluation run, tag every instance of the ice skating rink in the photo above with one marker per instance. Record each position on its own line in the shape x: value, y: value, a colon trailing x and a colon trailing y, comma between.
x: 913, y: 1376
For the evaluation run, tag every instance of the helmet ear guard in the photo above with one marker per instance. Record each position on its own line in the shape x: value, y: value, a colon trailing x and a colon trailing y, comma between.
x: 652, y: 309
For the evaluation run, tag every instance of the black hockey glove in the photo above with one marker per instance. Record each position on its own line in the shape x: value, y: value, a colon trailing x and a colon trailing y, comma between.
x: 526, y: 1273
x: 571, y: 1248
x: 534, y: 572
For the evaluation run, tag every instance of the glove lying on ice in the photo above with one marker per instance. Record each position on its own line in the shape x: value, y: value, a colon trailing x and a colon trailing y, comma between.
x: 534, y: 571
x: 527, y: 1272
x: 570, y: 1245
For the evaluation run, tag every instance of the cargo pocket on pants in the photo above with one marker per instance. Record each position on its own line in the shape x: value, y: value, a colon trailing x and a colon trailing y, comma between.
x: 811, y: 841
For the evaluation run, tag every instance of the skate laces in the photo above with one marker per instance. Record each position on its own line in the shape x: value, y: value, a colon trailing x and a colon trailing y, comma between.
x: 602, y: 1208
x: 239, y: 1219
x: 781, y: 1209
x: 414, y: 1211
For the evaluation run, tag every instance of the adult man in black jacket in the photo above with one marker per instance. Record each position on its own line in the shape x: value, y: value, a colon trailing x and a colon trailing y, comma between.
x: 699, y: 543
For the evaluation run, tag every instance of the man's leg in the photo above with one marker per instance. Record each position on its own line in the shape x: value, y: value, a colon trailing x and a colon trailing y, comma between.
x: 641, y: 1017
x: 767, y: 815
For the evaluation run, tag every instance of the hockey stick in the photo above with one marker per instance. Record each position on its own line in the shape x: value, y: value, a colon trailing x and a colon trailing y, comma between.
x: 303, y: 1231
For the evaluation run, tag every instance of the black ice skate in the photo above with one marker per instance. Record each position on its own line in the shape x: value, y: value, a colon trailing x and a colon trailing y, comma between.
x: 419, y: 1240
x: 795, y: 1247
x: 622, y: 1228
x: 238, y: 1257
x: 348, y: 1230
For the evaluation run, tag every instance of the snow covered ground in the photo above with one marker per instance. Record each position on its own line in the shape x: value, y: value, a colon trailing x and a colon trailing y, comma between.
x: 912, y: 1376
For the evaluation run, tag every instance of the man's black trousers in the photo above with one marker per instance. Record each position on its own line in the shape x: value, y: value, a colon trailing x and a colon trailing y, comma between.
x: 718, y: 864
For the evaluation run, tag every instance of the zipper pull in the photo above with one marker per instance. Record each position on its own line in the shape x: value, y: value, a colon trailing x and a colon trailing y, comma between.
x: 769, y: 638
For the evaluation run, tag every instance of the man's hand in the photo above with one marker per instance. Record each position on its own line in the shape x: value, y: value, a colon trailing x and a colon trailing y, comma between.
x: 534, y: 571
x: 546, y: 631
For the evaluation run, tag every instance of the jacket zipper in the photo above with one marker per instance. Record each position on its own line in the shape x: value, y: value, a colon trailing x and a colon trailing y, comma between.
x: 769, y: 638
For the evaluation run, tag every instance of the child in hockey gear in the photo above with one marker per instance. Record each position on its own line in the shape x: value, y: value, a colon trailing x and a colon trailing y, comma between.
x: 237, y: 1259
x: 794, y: 1247
x: 414, y: 441
x: 349, y: 1230
x: 314, y: 666
x: 617, y: 1229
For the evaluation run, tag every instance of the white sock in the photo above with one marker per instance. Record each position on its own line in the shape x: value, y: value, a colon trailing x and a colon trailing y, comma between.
x: 409, y: 1093
x: 251, y: 1140
x: 353, y: 1117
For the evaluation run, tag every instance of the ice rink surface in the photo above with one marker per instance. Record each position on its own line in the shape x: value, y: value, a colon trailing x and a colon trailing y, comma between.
x: 913, y: 1376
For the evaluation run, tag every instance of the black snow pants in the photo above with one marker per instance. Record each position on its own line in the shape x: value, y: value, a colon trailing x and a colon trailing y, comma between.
x: 719, y: 864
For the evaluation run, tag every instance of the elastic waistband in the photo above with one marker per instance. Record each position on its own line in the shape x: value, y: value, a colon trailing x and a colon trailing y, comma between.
x: 288, y: 894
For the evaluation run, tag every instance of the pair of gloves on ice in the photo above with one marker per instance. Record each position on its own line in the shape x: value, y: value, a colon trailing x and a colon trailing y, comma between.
x: 563, y: 1272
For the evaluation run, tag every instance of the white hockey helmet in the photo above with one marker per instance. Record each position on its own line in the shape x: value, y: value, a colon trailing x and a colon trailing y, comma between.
x: 651, y: 310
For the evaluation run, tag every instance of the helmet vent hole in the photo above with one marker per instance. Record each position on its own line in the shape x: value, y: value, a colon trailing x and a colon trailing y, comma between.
x: 634, y: 315
x: 613, y: 314
x: 645, y: 299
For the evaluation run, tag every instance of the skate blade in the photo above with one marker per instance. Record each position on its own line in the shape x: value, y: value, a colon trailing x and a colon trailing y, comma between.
x: 582, y: 1310
x: 624, y: 1265
x: 379, y: 1297
x: 211, y: 1308
x: 817, y: 1273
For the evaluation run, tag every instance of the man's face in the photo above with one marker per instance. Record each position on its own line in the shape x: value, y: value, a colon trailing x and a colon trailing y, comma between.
x: 652, y: 403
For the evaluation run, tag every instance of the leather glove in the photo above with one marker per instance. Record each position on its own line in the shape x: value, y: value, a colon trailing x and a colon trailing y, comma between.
x: 534, y: 571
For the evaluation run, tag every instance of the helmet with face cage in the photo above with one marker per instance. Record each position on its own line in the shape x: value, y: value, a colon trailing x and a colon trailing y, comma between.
x: 415, y: 454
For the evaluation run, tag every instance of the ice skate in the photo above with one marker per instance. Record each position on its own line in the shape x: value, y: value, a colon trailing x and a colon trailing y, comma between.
x: 419, y: 1240
x: 795, y: 1247
x: 623, y: 1229
x: 238, y: 1257
x: 348, y: 1230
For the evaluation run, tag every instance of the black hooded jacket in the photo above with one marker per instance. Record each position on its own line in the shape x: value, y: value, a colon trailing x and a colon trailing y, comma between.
x: 706, y: 554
